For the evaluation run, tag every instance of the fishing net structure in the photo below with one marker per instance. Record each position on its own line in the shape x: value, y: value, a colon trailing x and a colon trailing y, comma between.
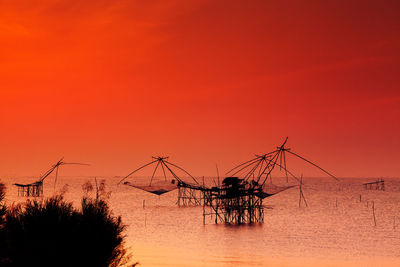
x: 165, y: 177
x: 157, y: 187
x: 260, y: 169
x: 35, y: 189
x: 272, y: 189
x: 239, y: 199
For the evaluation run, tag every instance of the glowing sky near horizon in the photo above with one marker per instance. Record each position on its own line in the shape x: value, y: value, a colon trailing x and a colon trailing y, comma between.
x: 114, y: 82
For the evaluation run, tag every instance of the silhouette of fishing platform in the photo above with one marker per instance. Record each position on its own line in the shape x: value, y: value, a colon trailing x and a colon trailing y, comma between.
x: 234, y: 202
x: 35, y: 189
x: 190, y: 194
x: 377, y: 185
x: 240, y: 197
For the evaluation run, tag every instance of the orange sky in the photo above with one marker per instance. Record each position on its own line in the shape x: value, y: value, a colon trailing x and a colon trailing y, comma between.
x: 112, y: 83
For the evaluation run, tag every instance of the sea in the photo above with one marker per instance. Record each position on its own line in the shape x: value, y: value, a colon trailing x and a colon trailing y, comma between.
x: 343, y: 224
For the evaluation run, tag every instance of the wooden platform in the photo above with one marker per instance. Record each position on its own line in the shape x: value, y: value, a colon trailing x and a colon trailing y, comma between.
x: 30, y: 190
x: 377, y: 185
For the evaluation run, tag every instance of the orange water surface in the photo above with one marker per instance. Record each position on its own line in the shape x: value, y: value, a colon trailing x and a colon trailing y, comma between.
x: 335, y: 230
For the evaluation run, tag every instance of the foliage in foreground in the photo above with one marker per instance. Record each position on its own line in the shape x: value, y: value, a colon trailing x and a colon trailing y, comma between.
x: 53, y: 233
x: 2, y: 206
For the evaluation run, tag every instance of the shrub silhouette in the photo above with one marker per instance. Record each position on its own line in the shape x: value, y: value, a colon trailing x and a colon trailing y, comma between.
x: 2, y: 214
x: 2, y: 206
x: 53, y: 233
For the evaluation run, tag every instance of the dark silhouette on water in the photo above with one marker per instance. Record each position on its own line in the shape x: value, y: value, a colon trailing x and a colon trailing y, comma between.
x: 377, y: 185
x: 240, y: 197
x: 35, y: 189
x: 162, y: 187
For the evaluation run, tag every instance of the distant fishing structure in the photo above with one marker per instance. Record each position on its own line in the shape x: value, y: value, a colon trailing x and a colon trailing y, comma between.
x: 377, y: 185
x: 36, y: 189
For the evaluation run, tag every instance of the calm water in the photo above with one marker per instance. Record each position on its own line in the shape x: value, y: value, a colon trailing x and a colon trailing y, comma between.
x: 335, y: 230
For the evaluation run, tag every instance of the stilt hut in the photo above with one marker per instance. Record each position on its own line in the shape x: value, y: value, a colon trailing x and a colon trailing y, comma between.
x: 240, y: 197
x: 35, y: 189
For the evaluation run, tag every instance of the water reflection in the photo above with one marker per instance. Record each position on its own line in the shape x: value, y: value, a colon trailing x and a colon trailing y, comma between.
x: 336, y: 230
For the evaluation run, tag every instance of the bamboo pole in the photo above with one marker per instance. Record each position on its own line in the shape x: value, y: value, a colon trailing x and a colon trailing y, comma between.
x: 373, y: 212
x: 97, y: 189
x: 204, y: 210
x: 301, y: 195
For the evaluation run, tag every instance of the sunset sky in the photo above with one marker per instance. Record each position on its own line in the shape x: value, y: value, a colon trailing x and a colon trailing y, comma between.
x: 112, y: 83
